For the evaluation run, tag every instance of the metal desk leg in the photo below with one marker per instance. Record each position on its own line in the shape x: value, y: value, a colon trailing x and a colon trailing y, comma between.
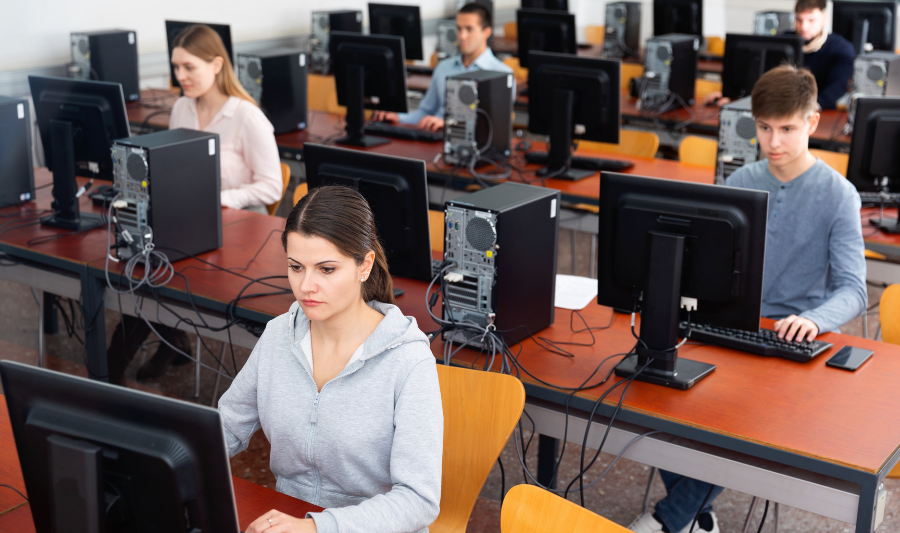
x: 197, y: 366
x: 51, y: 322
x: 548, y: 449
x: 40, y: 301
x: 752, y: 510
x: 865, y: 514
x: 645, y: 505
x: 95, y: 326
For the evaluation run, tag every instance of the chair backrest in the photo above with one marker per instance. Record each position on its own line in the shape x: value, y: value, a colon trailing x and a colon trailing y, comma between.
x: 703, y: 87
x: 511, y: 30
x: 299, y: 193
x: 715, y: 45
x: 285, y: 179
x: 889, y: 316
x: 521, y: 74
x: 322, y: 94
x: 595, y: 34
x: 434, y: 60
x: 633, y: 143
x: 629, y: 72
x: 436, y: 229
x: 480, y: 411
x: 529, y: 509
x: 698, y: 151
x: 835, y: 160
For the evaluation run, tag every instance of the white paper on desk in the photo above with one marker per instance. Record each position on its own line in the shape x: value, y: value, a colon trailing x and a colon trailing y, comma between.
x: 574, y: 292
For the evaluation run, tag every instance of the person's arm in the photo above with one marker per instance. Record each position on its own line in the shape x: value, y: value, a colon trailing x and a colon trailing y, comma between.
x: 414, y: 500
x: 428, y: 106
x: 848, y: 270
x: 238, y: 406
x: 840, y: 72
x: 261, y: 156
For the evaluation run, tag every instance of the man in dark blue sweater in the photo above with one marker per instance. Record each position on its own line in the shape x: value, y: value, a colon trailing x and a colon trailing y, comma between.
x: 828, y: 57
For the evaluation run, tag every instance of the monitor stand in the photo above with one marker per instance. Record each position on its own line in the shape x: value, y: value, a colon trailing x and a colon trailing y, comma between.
x: 67, y: 215
x: 885, y: 224
x: 559, y: 157
x: 659, y: 322
x: 356, y: 113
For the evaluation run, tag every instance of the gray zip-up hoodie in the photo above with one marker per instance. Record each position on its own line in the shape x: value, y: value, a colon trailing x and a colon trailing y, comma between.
x: 368, y: 447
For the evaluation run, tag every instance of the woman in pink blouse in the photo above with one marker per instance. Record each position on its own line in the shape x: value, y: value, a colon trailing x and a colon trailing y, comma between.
x: 250, y: 169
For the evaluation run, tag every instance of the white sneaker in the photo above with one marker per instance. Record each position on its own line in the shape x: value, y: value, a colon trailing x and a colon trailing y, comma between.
x: 646, y: 524
x: 697, y: 529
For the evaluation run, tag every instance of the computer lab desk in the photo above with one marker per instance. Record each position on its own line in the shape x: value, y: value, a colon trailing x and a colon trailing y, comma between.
x: 252, y: 501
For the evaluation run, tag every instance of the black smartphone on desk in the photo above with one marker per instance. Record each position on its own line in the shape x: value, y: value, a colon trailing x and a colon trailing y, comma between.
x: 849, y: 358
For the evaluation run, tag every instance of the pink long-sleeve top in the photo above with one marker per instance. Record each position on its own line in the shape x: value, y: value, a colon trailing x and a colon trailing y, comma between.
x: 249, y: 163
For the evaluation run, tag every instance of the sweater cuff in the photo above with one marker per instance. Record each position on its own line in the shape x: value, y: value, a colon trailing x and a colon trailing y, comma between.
x: 325, y: 522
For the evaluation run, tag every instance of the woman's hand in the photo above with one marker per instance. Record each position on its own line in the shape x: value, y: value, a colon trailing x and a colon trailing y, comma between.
x: 278, y: 522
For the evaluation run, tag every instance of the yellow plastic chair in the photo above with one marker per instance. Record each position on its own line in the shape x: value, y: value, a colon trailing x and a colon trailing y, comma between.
x: 529, y: 509
x: 633, y: 143
x: 629, y: 72
x: 835, y: 160
x: 299, y: 193
x: 511, y: 30
x: 521, y: 74
x: 715, y: 46
x: 889, y: 314
x: 436, y: 229
x: 480, y: 411
x: 285, y: 179
x: 698, y: 151
x: 322, y: 94
x: 434, y: 60
x: 704, y: 87
x: 595, y: 34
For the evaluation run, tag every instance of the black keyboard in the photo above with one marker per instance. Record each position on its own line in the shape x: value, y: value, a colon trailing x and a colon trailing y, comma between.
x: 383, y: 129
x: 879, y: 197
x: 766, y: 342
x: 419, y: 69
x: 584, y: 163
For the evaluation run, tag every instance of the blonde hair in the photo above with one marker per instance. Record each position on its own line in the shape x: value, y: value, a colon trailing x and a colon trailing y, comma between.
x: 202, y: 41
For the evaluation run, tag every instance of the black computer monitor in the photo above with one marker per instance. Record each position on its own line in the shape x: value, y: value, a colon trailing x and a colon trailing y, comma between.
x: 678, y: 16
x: 397, y: 192
x: 572, y: 97
x: 96, y: 457
x: 402, y: 21
x: 874, y: 164
x: 748, y: 57
x: 554, y: 5
x: 370, y: 73
x: 866, y: 22
x: 662, y: 241
x: 173, y: 28
x: 545, y: 31
x: 78, y: 121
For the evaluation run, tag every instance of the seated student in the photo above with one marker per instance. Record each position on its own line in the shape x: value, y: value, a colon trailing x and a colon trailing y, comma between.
x: 828, y: 56
x: 473, y: 28
x: 343, y: 385
x: 814, y: 275
x: 250, y: 168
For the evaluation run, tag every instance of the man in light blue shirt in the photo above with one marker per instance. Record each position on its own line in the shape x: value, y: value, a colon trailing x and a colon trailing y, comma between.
x: 473, y: 28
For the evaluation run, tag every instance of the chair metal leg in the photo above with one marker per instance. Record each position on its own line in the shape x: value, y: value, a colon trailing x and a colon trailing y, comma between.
x: 777, y: 515
x: 593, y: 255
x: 218, y: 376
x: 646, y: 504
x: 866, y: 324
x: 753, y: 506
x: 574, y: 269
x: 197, y: 365
x: 40, y: 301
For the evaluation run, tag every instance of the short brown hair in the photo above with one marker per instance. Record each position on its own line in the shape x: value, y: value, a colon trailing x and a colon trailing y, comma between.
x: 482, y: 11
x: 342, y: 217
x: 809, y: 5
x: 783, y: 92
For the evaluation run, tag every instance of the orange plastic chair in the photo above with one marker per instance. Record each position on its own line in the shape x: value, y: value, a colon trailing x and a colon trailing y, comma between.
x: 300, y: 192
x: 322, y: 94
x: 511, y: 30
x: 521, y: 74
x: 629, y: 72
x: 835, y: 160
x: 480, y: 411
x: 529, y: 509
x: 434, y: 60
x: 436, y: 229
x: 633, y: 143
x: 285, y: 179
x: 715, y: 46
x: 698, y: 151
x: 889, y: 314
x: 595, y: 34
x: 704, y: 87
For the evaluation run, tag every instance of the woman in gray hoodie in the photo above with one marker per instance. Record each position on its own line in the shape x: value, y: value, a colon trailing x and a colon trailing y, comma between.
x: 343, y: 385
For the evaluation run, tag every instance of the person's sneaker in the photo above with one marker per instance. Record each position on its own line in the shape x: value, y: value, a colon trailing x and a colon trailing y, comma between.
x: 646, y: 523
x: 706, y: 523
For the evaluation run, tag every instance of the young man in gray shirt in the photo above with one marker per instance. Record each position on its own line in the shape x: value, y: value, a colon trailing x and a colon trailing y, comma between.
x: 814, y: 277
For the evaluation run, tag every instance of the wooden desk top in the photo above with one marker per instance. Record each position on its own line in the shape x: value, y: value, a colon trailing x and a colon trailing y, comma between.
x: 252, y: 500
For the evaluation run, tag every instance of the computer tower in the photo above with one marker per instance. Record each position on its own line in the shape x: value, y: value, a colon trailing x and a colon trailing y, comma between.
x: 16, y: 167
x: 479, y: 110
x: 670, y: 71
x: 623, y: 30
x: 874, y: 74
x: 109, y: 55
x: 737, y: 139
x: 323, y: 23
x: 168, y: 185
x: 276, y: 79
x: 773, y: 23
x: 503, y: 243
x: 447, y: 44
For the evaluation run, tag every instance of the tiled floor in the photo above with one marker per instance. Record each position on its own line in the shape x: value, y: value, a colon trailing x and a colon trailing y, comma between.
x: 618, y: 496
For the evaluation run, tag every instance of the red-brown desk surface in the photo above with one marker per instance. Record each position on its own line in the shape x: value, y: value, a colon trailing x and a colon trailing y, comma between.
x: 252, y: 500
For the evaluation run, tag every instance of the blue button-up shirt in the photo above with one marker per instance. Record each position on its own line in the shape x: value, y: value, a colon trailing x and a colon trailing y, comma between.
x: 435, y: 99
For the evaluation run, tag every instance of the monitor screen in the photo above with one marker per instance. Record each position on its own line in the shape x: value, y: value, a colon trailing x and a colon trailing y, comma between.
x: 866, y: 23
x: 545, y: 31
x: 748, y: 57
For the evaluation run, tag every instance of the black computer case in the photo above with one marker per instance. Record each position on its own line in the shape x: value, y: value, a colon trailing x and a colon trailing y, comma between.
x: 276, y: 79
x: 109, y: 55
x: 503, y: 240
x: 16, y: 167
x: 672, y: 59
x: 170, y: 183
x: 465, y: 127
